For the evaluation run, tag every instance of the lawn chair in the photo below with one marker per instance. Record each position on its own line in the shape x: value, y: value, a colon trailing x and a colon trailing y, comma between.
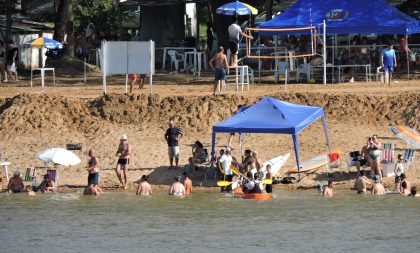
x: 176, y: 59
x: 334, y: 161
x: 387, y: 159
x: 29, y: 175
x: 408, y: 157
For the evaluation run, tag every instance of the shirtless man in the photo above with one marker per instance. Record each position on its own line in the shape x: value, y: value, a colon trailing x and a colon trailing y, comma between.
x: 378, y: 188
x: 328, y: 191
x: 93, y: 168
x: 361, y: 182
x: 123, y: 152
x: 219, y: 64
x: 144, y: 189
x: 187, y: 184
x: 15, y: 183
x: 177, y: 189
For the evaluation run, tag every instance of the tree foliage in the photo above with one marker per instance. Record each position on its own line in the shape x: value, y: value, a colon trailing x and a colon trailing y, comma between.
x: 103, y: 13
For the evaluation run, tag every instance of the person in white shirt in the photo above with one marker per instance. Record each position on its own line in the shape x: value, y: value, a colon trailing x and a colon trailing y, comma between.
x: 399, y: 169
x: 234, y: 32
x: 226, y: 161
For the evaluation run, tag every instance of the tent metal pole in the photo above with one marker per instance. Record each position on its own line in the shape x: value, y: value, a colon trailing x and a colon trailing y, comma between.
x: 325, y: 52
x: 213, y: 145
x: 324, y: 123
x: 295, y: 144
x: 408, y: 61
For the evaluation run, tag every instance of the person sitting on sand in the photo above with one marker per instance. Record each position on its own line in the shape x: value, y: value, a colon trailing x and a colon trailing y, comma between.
x: 177, y: 189
x: 29, y: 190
x: 414, y: 192
x: 398, y: 171
x: 187, y: 184
x: 15, y: 184
x: 378, y: 188
x: 403, y: 189
x: 404, y: 179
x: 328, y: 191
x: 144, y: 189
x: 47, y: 185
x: 361, y: 182
x: 199, y: 155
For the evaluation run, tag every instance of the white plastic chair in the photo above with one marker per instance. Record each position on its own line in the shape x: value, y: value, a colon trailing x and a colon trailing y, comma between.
x: 380, y: 74
x: 281, y: 69
x: 176, y: 58
x: 303, y: 69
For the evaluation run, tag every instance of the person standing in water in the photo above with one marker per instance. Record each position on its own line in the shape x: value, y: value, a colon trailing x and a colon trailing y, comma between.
x: 93, y: 168
x: 328, y: 191
x: 177, y: 189
x: 187, y: 184
x: 144, y: 189
x: 123, y: 153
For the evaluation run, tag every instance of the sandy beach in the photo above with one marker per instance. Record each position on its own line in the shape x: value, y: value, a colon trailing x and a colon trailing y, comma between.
x: 34, y: 119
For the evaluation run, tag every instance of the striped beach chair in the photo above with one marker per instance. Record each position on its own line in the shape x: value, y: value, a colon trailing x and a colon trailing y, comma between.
x: 388, y: 153
x: 387, y: 159
x: 28, y: 175
x: 409, y: 156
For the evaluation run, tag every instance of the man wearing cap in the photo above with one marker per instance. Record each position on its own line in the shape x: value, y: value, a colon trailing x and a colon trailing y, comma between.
x: 173, y: 136
x: 226, y: 161
x: 15, y: 183
x: 177, y: 189
x: 124, y: 151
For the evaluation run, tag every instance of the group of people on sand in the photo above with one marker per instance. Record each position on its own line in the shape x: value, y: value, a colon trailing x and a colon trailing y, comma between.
x: 249, y: 165
x: 16, y: 185
x: 370, y: 155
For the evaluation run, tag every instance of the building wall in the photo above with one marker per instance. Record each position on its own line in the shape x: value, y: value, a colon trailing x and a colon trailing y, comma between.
x: 163, y: 24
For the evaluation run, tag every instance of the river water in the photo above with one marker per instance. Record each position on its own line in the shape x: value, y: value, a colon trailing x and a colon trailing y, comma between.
x: 294, y: 221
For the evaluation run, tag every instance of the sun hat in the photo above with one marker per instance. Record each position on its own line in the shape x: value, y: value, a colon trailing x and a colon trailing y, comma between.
x: 123, y: 137
x: 16, y: 173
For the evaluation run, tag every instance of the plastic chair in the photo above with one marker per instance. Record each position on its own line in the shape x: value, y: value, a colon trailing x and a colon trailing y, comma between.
x: 303, y: 69
x: 334, y: 160
x: 176, y: 58
x: 380, y: 74
x: 281, y: 69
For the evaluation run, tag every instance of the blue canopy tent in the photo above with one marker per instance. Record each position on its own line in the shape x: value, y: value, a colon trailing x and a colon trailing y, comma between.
x: 345, y: 17
x: 274, y: 116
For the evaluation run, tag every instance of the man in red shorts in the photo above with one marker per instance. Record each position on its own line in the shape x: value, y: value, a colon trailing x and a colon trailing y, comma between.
x: 133, y: 78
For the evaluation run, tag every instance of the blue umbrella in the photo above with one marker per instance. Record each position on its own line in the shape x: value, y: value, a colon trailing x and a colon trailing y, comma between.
x: 236, y: 9
x: 43, y: 42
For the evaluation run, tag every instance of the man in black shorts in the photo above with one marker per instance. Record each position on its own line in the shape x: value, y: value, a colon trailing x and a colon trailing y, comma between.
x: 123, y: 152
x: 234, y: 31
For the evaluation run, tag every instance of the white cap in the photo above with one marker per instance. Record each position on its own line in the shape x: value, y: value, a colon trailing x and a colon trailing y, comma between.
x: 123, y: 137
x: 229, y: 149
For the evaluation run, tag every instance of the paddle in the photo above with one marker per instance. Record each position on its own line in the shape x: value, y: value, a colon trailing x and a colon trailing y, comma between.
x: 223, y: 183
x: 237, y: 172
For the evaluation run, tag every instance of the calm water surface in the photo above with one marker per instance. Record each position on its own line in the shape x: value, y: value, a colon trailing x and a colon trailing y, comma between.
x: 297, y: 221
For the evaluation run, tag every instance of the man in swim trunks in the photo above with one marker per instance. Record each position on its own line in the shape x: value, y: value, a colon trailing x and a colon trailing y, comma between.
x: 328, y: 191
x: 123, y: 152
x: 361, y: 182
x: 388, y: 61
x: 234, y: 32
x: 15, y: 183
x: 219, y: 64
x: 93, y: 168
x: 173, y: 136
x: 177, y: 189
x: 378, y: 188
x: 187, y: 184
x: 144, y: 189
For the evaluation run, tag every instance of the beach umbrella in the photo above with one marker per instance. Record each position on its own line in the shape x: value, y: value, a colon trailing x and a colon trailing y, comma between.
x: 236, y: 9
x: 407, y: 134
x: 43, y: 42
x: 59, y: 156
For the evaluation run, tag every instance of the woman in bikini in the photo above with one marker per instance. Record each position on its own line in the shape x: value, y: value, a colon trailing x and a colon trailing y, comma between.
x: 375, y: 156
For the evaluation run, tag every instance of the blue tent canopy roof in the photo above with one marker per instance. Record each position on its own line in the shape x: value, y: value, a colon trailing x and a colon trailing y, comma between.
x: 271, y: 116
x: 345, y: 17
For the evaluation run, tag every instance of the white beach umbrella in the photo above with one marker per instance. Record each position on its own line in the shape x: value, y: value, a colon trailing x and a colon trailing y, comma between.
x: 60, y: 156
